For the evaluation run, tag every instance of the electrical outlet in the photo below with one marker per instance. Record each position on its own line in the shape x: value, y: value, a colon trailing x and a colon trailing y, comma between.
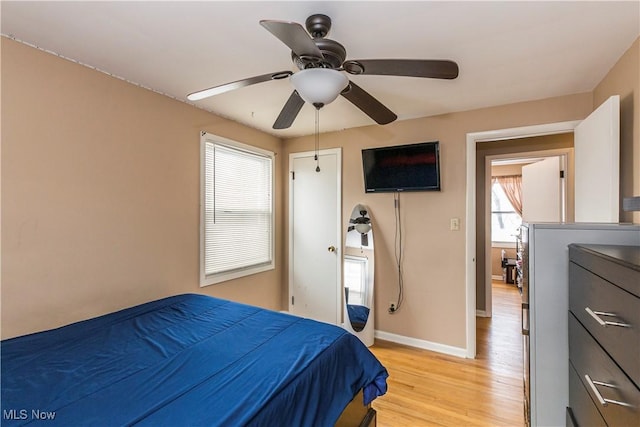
x: 392, y: 306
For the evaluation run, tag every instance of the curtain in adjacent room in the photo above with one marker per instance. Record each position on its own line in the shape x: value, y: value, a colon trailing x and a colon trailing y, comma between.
x: 512, y: 187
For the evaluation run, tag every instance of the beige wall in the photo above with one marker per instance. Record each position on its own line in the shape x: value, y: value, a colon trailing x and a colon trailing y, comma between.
x: 434, y: 267
x: 100, y: 189
x: 100, y: 196
x: 624, y: 80
x: 506, y: 170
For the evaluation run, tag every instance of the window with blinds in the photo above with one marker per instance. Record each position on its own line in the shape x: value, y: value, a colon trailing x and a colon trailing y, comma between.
x: 355, y: 279
x: 237, y: 210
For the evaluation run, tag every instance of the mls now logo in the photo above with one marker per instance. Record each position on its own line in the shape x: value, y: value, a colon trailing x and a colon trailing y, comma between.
x: 23, y: 414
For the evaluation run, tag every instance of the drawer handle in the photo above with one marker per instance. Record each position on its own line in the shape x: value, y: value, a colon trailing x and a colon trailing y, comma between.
x: 602, y: 400
x: 596, y: 315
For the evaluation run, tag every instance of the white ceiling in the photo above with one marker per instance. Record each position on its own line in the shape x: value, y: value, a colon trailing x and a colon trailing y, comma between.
x: 507, y: 51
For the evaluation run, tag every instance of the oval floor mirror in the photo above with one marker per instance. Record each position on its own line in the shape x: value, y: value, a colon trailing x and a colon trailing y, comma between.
x: 358, y: 275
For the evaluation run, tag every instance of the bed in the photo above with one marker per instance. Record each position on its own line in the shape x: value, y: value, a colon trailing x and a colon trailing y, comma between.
x: 189, y: 360
x: 358, y: 316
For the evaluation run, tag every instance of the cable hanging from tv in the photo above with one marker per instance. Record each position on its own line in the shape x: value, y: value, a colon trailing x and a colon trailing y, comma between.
x: 398, y: 252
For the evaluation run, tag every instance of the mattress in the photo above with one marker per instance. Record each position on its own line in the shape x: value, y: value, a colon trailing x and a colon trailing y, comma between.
x: 187, y: 360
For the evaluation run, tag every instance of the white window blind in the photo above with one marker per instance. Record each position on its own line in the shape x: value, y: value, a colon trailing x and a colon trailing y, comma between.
x: 355, y: 277
x: 238, y: 211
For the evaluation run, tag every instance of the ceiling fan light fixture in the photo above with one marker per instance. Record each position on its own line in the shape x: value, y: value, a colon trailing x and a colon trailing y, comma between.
x: 363, y: 228
x: 319, y: 86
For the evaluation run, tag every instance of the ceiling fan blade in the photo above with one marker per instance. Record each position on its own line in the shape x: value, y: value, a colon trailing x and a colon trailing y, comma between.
x: 293, y: 35
x: 360, y: 220
x: 368, y: 104
x: 217, y: 90
x: 432, y: 68
x: 289, y: 111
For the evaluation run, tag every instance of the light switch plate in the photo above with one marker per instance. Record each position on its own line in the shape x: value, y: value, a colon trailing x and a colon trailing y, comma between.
x: 454, y: 224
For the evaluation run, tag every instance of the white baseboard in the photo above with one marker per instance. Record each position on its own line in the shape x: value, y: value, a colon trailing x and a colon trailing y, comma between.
x: 497, y: 277
x: 481, y: 313
x: 423, y: 344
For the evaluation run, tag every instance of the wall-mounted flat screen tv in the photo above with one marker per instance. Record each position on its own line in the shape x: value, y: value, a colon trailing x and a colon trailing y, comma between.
x: 412, y: 167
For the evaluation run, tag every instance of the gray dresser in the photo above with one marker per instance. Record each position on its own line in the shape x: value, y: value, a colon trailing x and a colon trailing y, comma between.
x: 604, y: 335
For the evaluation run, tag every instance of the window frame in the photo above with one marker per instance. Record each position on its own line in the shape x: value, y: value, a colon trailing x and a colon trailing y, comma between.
x: 212, y: 279
x: 363, y: 263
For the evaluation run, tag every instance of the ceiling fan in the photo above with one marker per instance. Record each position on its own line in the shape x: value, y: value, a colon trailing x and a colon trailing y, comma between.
x: 320, y: 79
x: 362, y: 225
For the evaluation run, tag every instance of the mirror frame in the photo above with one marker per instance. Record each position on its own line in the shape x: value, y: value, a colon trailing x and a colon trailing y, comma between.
x: 366, y: 334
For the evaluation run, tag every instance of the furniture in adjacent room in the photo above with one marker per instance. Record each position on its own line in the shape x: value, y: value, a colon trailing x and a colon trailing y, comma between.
x: 191, y: 360
x: 509, y: 268
x: 604, y: 335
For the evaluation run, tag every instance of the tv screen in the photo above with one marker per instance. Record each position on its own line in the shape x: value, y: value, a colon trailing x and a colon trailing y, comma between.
x: 413, y: 167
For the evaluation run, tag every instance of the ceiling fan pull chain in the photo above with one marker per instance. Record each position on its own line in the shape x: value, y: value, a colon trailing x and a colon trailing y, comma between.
x: 317, y: 140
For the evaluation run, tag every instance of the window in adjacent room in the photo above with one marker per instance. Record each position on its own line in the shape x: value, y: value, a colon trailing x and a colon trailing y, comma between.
x: 505, y: 218
x: 236, y: 218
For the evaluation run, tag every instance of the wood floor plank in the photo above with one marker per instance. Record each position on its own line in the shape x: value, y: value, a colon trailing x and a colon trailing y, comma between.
x: 434, y: 389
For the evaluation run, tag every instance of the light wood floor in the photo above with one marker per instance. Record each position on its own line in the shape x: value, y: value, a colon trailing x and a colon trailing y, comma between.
x: 432, y: 389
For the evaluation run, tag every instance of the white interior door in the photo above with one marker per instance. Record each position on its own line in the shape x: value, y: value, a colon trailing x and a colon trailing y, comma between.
x: 315, y: 236
x: 597, y: 164
x: 542, y: 191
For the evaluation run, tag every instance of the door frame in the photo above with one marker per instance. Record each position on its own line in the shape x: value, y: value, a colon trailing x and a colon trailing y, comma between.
x: 338, y: 236
x: 470, y: 238
x: 565, y: 155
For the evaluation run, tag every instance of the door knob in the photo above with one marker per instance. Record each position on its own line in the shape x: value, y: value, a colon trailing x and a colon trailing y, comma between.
x: 331, y: 248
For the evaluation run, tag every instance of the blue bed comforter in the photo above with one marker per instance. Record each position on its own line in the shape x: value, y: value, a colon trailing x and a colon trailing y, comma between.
x: 187, y: 360
x: 358, y: 314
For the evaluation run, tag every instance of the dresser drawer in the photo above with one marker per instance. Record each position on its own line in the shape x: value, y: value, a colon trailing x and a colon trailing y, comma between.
x: 617, y: 264
x: 592, y: 363
x: 583, y: 412
x: 590, y: 295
